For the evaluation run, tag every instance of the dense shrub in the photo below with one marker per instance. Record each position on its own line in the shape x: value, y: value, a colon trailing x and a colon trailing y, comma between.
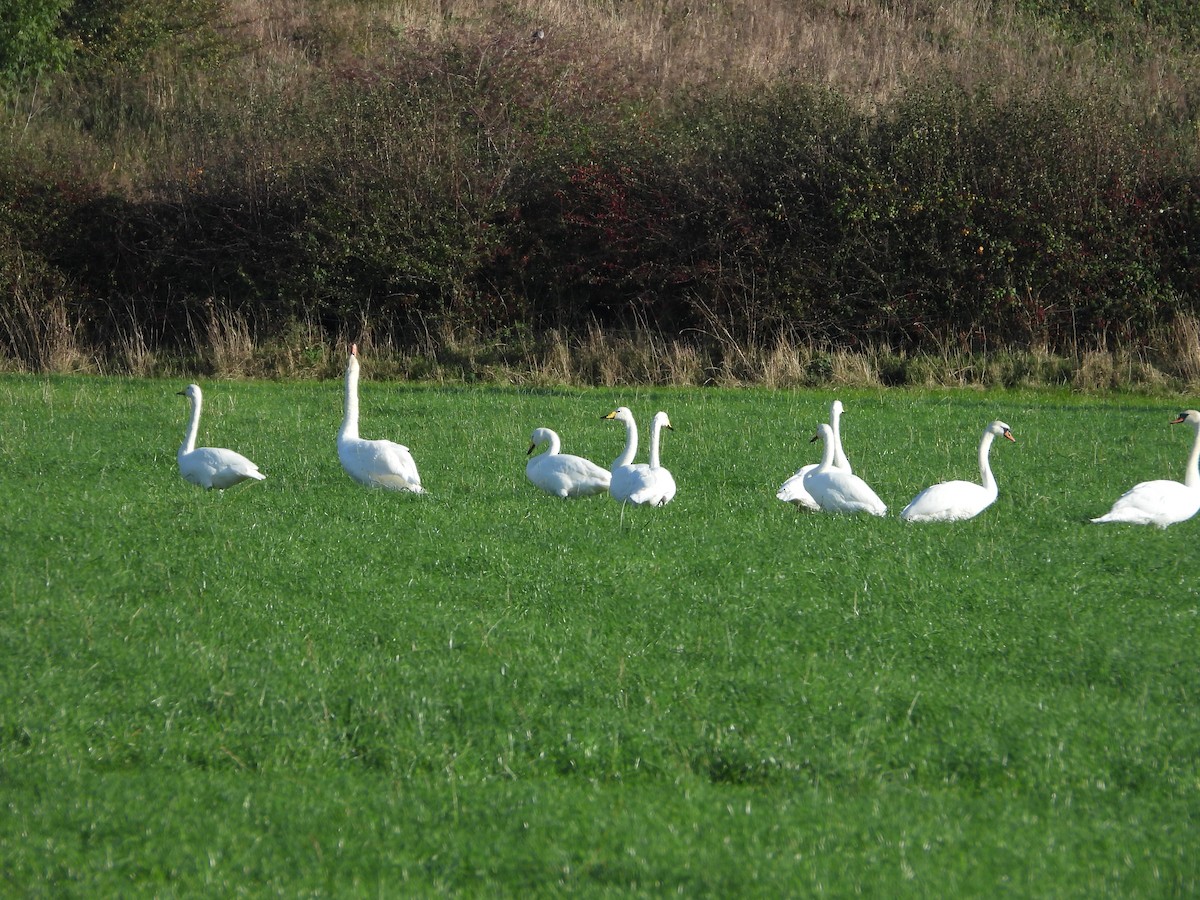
x: 499, y: 185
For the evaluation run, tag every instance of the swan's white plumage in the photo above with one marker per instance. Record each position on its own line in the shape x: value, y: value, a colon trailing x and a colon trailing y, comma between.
x: 210, y: 467
x: 1163, y: 502
x: 953, y: 501
x: 639, y: 483
x: 563, y: 474
x: 836, y: 490
x: 378, y: 464
x: 792, y: 490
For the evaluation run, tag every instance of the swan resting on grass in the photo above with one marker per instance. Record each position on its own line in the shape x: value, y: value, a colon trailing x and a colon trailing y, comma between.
x: 210, y: 467
x: 639, y: 483
x: 376, y: 464
x: 953, y: 501
x: 792, y: 490
x: 563, y: 474
x: 1163, y: 502
x: 836, y: 490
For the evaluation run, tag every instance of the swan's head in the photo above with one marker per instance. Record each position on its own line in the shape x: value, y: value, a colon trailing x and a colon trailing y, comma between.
x: 540, y: 436
x: 661, y: 420
x: 192, y: 392
x: 999, y: 429
x: 1191, y: 416
x: 836, y: 409
x: 824, y: 433
x: 620, y: 414
x: 352, y: 362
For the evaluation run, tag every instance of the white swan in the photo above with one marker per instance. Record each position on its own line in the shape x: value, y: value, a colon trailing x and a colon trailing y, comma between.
x: 639, y: 483
x: 380, y: 464
x: 562, y: 474
x: 210, y: 467
x: 952, y: 501
x: 836, y: 490
x: 1163, y: 502
x: 792, y: 490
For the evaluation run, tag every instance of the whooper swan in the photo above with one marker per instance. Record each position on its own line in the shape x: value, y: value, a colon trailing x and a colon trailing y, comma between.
x: 639, y: 483
x: 210, y: 467
x: 792, y: 490
x: 563, y: 474
x: 835, y: 490
x: 376, y: 464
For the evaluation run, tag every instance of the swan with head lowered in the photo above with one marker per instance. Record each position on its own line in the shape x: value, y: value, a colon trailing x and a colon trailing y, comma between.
x: 377, y: 464
x: 792, y: 490
x: 210, y: 467
x: 953, y: 501
x: 1163, y: 502
x: 639, y: 483
x: 563, y: 474
x: 835, y: 490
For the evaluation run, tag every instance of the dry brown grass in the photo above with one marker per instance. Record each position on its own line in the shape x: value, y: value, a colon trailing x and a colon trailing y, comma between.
x: 867, y: 49
x: 227, y: 348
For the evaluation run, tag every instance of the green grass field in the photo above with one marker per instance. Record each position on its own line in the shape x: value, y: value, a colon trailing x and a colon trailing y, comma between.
x: 308, y: 688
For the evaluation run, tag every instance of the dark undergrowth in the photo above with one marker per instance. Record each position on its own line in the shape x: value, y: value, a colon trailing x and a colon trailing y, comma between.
x: 524, y: 192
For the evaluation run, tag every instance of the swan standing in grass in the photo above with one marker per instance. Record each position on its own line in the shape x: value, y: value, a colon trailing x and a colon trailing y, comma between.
x: 641, y: 484
x: 836, y: 490
x: 1163, y: 502
x: 562, y: 474
x: 379, y: 464
x: 792, y: 490
x: 210, y: 467
x: 952, y: 501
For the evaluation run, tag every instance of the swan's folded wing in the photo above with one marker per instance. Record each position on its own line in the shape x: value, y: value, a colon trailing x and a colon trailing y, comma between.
x: 837, y: 491
x: 657, y: 488
x: 629, y: 483
x: 217, y: 467
x: 382, y: 464
x: 950, y: 501
x: 565, y: 475
x: 582, y: 471
x: 1159, y: 503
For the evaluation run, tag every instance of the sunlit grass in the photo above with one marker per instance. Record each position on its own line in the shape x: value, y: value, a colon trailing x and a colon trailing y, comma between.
x: 307, y: 687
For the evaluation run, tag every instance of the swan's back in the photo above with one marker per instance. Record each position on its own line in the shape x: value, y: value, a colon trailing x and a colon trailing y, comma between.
x: 1160, y: 503
x: 836, y: 490
x: 380, y: 464
x: 216, y: 467
x: 642, y: 485
x: 950, y: 501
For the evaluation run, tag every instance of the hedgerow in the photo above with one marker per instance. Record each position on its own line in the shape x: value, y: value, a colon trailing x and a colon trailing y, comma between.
x: 501, y: 185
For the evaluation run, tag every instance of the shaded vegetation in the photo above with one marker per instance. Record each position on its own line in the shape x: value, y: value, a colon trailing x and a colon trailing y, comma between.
x: 1017, y: 180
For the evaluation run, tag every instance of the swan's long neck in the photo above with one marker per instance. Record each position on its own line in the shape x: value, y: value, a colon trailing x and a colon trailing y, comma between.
x: 555, y: 443
x: 189, y: 439
x: 828, y: 450
x: 1191, y: 475
x: 839, y: 455
x: 631, y: 442
x: 985, y: 463
x: 655, y: 438
x: 350, y: 419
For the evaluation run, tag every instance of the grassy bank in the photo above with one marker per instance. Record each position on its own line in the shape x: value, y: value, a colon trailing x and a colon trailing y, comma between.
x: 307, y: 687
